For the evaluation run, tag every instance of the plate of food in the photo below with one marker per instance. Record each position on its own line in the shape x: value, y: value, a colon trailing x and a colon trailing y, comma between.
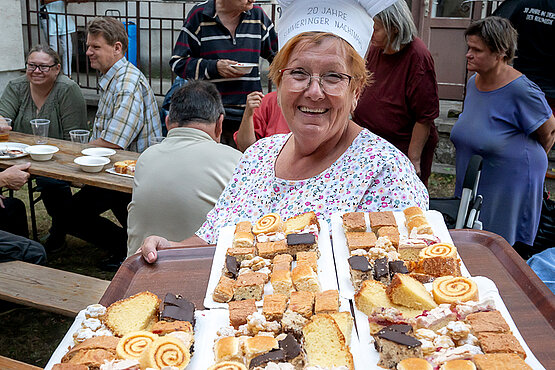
x: 123, y: 168
x: 244, y: 67
x: 289, y: 335
x: 271, y: 256
x: 128, y: 333
x: 465, y: 318
x: 9, y: 150
x: 378, y: 244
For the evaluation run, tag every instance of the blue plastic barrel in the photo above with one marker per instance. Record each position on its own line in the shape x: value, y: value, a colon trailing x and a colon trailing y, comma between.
x: 131, y: 54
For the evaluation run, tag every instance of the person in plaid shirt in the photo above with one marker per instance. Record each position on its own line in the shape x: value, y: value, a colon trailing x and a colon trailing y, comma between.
x: 127, y: 118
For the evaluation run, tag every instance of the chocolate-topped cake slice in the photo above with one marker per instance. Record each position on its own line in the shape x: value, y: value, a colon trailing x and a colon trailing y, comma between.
x: 397, y: 267
x: 304, y: 242
x: 293, y: 352
x: 360, y: 270
x: 275, y: 355
x: 177, y: 308
x: 231, y: 268
x: 394, y: 344
x: 381, y: 270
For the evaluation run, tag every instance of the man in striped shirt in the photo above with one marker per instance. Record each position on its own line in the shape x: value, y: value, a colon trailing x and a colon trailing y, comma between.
x: 216, y: 35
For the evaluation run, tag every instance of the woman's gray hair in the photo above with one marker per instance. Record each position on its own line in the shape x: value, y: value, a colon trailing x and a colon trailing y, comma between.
x: 40, y: 48
x: 497, y: 33
x: 398, y: 24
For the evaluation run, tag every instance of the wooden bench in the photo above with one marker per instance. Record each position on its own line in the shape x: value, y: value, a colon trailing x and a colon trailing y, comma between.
x: 49, y: 289
x: 8, y: 363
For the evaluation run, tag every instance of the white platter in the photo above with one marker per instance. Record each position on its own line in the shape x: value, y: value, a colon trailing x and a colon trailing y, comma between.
x: 216, y: 319
x: 486, y: 289
x: 113, y: 172
x: 197, y: 361
x: 341, y: 252
x: 326, y: 267
x: 13, y: 146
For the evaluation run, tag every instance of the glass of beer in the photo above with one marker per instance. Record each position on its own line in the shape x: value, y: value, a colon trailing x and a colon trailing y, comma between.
x: 4, y: 132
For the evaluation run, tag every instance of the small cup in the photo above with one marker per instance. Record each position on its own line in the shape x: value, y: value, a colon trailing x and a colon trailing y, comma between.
x: 5, y: 133
x: 79, y: 136
x: 40, y: 130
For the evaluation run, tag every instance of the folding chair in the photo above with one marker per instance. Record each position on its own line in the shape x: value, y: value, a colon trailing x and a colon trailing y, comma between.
x: 463, y: 212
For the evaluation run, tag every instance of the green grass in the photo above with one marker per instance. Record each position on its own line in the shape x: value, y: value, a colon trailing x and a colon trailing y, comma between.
x: 31, y: 335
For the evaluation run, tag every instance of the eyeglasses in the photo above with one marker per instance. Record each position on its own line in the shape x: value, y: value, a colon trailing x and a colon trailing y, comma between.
x: 31, y: 67
x: 332, y: 83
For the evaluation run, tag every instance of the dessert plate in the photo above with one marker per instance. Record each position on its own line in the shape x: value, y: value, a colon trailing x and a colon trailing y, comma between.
x: 326, y: 267
x: 214, y: 320
x: 9, y: 150
x: 113, y: 172
x: 341, y: 252
x: 486, y: 290
x: 200, y: 345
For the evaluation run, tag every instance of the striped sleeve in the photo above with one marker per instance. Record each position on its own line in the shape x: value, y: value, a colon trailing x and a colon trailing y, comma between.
x: 184, y: 61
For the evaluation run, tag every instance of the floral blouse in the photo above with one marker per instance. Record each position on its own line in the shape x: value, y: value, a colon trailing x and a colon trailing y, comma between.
x: 372, y: 175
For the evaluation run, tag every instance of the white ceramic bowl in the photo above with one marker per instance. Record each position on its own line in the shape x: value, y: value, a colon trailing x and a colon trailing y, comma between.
x: 41, y: 152
x: 244, y: 67
x: 91, y: 164
x: 98, y: 152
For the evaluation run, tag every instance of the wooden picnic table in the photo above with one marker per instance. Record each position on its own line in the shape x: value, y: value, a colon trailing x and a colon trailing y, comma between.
x: 61, y: 166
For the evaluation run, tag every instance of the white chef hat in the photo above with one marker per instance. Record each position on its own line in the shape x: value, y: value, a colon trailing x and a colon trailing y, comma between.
x: 349, y: 19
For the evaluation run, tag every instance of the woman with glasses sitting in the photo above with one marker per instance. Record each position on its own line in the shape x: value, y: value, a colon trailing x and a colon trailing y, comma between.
x: 44, y: 92
x: 327, y: 163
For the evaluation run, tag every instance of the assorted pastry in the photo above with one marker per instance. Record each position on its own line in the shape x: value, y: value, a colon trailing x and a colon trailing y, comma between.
x: 301, y: 331
x: 378, y: 250
x: 273, y: 252
x: 442, y: 325
x: 137, y: 333
x: 126, y: 167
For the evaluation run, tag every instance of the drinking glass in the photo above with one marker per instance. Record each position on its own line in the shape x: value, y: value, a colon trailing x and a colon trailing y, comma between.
x: 5, y: 122
x: 79, y: 136
x: 40, y: 130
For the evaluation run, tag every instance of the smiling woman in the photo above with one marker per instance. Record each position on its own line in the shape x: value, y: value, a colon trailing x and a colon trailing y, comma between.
x: 327, y: 163
x: 44, y: 93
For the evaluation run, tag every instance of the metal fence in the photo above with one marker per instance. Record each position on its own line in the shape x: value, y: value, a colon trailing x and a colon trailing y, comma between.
x: 157, y: 25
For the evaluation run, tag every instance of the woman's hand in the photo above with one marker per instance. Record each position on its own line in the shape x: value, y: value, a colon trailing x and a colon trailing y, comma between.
x: 151, y: 245
x: 253, y: 101
x: 245, y: 135
x: 226, y: 70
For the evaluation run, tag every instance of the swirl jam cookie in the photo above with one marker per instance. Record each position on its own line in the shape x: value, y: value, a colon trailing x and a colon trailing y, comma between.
x: 449, y: 289
x: 132, y: 345
x: 165, y: 351
x: 439, y: 250
x: 269, y: 223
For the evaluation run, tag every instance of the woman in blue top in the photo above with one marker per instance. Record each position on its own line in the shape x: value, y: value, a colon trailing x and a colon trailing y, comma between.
x: 507, y: 121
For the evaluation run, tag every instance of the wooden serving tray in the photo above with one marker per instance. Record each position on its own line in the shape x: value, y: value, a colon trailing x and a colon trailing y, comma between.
x: 182, y: 271
x: 529, y: 301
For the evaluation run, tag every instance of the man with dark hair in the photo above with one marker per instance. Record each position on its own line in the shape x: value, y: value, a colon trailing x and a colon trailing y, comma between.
x: 127, y: 118
x: 178, y: 181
